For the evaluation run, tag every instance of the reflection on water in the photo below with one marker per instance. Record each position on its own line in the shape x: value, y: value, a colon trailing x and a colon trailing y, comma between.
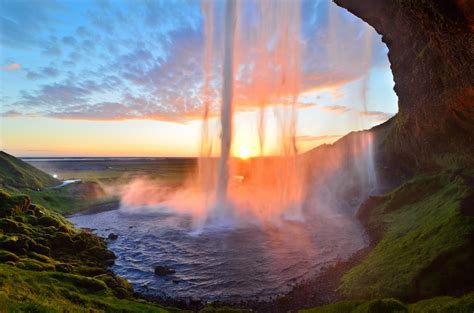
x: 225, y: 264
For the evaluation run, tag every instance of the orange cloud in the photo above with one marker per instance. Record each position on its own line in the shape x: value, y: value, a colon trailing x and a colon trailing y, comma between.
x: 335, y: 108
x: 317, y: 138
x: 381, y: 116
x: 11, y: 67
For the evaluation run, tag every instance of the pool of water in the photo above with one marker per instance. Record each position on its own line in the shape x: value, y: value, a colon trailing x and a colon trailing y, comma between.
x: 238, y: 263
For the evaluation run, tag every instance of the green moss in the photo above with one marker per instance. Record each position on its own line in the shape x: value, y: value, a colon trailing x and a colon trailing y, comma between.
x: 464, y: 304
x: 62, y: 200
x: 49, y: 266
x: 342, y: 306
x: 6, y: 256
x: 121, y: 288
x: 425, y: 246
x: 34, y: 265
x: 382, y: 306
x: 212, y: 309
x: 11, y: 205
x: 27, y: 291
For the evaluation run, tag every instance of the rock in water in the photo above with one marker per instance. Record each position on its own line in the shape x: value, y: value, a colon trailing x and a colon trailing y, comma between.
x: 113, y: 236
x: 164, y: 270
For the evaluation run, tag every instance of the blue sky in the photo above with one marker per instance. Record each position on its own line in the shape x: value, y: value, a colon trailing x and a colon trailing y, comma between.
x: 67, y: 65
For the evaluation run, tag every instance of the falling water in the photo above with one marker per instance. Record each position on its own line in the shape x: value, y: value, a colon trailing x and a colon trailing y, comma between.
x: 227, y: 98
x: 252, y: 48
x: 271, y: 84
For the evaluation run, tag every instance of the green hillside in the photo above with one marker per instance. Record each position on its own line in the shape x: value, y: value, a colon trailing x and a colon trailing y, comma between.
x: 424, y: 232
x: 464, y: 304
x: 17, y: 173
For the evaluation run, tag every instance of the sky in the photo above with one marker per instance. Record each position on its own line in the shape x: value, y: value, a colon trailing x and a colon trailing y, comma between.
x: 125, y: 78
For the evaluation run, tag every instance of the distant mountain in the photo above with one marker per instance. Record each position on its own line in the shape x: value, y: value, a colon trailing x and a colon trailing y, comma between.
x: 16, y: 173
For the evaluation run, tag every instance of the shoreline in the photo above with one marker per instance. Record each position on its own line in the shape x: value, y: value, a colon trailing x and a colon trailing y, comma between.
x: 316, y: 291
x: 319, y: 290
x: 98, y: 208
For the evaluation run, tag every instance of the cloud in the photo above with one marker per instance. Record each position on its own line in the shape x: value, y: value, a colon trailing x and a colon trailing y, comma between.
x: 318, y: 138
x: 11, y: 113
x: 378, y: 115
x: 54, y: 96
x: 11, y: 67
x: 335, y: 108
x: 23, y: 22
x: 45, y: 72
x: 69, y: 40
x: 148, y: 63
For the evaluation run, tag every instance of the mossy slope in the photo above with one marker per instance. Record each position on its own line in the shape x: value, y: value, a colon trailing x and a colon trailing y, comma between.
x: 18, y: 177
x: 17, y: 173
x: 424, y: 232
x: 30, y: 291
x: 65, y: 200
x: 463, y: 304
x: 46, y: 265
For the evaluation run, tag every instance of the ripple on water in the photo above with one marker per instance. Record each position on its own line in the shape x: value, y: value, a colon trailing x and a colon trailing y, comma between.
x: 229, y: 264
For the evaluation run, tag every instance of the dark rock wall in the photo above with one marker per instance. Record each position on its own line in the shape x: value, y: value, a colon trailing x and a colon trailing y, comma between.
x: 431, y: 51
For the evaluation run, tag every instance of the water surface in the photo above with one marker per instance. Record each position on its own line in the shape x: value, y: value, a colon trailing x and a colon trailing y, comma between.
x: 242, y: 263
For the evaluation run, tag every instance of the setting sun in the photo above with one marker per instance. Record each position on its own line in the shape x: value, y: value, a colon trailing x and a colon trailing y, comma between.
x: 244, y: 152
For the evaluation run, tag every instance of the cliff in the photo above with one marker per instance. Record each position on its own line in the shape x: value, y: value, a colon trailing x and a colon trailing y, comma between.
x: 431, y: 49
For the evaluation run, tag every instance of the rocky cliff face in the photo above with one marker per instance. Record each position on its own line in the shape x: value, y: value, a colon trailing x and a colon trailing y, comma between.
x: 431, y: 51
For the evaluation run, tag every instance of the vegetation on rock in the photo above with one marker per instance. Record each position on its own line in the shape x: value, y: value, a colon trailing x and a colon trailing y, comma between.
x: 47, y: 265
x: 463, y: 304
x: 425, y: 240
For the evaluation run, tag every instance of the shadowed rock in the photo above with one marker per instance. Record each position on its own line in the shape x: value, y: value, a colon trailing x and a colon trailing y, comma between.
x: 164, y: 270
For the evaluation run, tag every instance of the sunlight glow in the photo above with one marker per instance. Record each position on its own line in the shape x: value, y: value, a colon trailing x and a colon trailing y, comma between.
x: 244, y: 152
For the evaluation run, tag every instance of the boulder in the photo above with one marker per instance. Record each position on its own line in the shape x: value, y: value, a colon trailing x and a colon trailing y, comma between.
x: 164, y: 270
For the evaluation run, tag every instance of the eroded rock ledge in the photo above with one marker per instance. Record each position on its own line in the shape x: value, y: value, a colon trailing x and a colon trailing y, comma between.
x: 431, y: 51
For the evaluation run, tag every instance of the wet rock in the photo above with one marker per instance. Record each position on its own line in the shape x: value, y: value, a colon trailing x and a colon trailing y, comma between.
x: 164, y: 270
x: 112, y: 236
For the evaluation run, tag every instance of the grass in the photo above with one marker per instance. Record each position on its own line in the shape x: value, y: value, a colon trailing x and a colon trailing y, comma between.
x: 18, y: 177
x: 66, y: 200
x: 63, y: 200
x: 47, y: 265
x: 425, y: 243
x: 463, y: 304
x: 14, y: 172
x: 30, y: 291
x: 110, y: 171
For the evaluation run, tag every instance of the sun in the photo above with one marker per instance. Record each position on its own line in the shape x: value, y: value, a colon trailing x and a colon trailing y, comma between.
x: 244, y: 152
